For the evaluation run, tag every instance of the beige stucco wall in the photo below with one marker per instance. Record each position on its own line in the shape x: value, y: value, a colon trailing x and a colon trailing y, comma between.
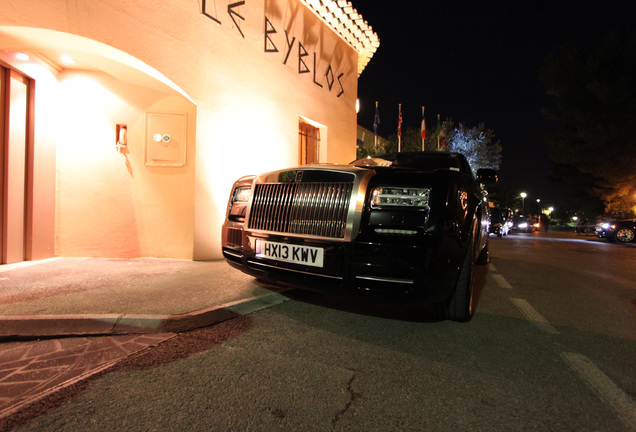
x: 248, y: 104
x: 110, y: 203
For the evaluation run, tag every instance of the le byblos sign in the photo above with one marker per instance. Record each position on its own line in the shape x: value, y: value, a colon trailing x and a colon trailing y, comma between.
x: 272, y: 40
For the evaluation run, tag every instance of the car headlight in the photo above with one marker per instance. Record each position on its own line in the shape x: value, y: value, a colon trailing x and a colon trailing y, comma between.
x: 400, y: 197
x: 241, y: 194
x: 605, y: 225
x: 238, y: 202
x: 523, y: 225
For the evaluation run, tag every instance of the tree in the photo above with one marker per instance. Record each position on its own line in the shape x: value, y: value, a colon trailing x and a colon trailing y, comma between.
x: 593, y: 150
x: 478, y: 144
x: 411, y: 141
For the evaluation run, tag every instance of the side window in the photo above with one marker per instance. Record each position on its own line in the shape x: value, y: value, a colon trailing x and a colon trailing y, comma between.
x: 308, y: 143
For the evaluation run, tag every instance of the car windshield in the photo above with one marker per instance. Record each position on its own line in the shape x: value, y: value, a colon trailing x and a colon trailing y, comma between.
x: 416, y: 160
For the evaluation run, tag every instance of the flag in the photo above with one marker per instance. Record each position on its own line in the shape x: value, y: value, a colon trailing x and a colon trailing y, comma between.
x: 423, y: 129
x: 376, y: 120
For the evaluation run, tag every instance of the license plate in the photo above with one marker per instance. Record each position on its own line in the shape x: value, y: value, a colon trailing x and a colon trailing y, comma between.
x: 297, y: 254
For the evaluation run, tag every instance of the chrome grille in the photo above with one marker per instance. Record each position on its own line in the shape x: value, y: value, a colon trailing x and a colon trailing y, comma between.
x: 312, y: 208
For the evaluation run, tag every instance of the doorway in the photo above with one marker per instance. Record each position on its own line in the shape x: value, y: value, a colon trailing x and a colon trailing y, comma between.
x: 308, y: 143
x: 15, y: 123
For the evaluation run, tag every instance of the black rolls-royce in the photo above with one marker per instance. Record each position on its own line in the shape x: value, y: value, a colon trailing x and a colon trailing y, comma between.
x: 411, y: 225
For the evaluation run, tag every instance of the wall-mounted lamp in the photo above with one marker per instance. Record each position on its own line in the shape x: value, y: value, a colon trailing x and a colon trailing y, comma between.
x: 121, y: 137
x: 67, y: 60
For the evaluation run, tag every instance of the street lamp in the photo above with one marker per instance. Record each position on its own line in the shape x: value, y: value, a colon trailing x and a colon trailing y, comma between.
x: 523, y: 202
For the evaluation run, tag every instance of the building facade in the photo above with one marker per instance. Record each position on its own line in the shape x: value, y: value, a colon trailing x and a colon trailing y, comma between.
x: 124, y: 123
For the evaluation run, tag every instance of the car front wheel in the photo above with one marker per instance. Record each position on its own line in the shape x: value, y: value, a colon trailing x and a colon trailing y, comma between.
x: 624, y: 235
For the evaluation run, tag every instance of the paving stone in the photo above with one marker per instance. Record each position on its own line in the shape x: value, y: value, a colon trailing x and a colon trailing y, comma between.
x: 32, y: 370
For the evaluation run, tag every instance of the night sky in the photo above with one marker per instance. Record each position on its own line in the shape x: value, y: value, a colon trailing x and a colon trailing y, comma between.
x: 475, y: 62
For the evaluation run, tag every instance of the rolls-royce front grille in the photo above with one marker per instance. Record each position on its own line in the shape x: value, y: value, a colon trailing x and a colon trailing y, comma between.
x: 316, y: 208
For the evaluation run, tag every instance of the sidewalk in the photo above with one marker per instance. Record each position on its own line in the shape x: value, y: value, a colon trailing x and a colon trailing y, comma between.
x: 134, y: 303
x: 101, y: 296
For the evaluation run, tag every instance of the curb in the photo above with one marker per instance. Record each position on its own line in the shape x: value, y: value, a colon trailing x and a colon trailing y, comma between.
x: 48, y: 326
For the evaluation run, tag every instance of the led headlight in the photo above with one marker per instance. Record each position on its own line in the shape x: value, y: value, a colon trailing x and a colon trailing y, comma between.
x: 241, y: 194
x: 238, y: 203
x: 400, y: 197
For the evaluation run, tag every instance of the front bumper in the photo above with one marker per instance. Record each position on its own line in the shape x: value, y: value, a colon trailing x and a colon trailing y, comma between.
x: 397, y: 267
x: 604, y: 233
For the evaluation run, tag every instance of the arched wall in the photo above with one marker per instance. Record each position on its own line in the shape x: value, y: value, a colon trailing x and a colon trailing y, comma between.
x: 251, y: 70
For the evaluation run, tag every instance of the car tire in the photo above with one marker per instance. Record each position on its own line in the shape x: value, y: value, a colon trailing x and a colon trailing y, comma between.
x: 624, y: 235
x: 460, y: 306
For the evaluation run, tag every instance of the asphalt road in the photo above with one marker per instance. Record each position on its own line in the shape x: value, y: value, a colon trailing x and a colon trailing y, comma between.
x: 552, y: 347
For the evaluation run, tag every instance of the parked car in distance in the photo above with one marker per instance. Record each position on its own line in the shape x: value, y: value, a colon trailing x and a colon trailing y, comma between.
x: 523, y: 224
x: 585, y: 227
x: 410, y: 226
x: 500, y: 221
x: 617, y: 230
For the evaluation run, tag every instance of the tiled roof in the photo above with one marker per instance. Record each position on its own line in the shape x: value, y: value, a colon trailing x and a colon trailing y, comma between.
x: 349, y: 24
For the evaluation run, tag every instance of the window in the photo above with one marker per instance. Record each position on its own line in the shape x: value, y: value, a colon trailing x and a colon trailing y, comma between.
x: 308, y: 143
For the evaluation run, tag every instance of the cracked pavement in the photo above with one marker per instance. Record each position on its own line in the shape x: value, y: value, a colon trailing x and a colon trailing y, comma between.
x: 350, y: 403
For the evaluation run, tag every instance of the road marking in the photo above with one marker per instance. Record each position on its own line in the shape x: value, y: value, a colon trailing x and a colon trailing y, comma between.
x: 534, y: 317
x: 492, y: 267
x: 609, y: 392
x: 501, y: 281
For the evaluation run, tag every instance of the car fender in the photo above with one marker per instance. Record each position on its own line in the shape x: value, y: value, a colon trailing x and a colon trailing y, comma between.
x: 461, y: 205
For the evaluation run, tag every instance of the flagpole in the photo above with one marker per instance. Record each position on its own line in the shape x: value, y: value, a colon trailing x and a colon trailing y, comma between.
x: 400, y: 129
x: 423, y: 129
x: 376, y: 123
x: 439, y: 130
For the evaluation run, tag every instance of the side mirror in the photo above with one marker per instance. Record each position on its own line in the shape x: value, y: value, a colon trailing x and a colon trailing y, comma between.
x: 487, y: 175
